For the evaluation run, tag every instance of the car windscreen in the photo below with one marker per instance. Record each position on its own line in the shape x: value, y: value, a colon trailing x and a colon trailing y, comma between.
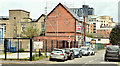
x: 57, y: 51
x: 76, y: 50
x: 83, y: 48
x: 67, y: 50
x: 112, y: 48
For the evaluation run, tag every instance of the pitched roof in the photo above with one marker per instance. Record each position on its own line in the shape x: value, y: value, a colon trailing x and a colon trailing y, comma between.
x: 68, y: 9
x: 40, y: 17
x: 71, y: 12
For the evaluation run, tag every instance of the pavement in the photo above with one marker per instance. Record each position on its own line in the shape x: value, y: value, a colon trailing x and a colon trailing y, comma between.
x: 98, y: 58
x: 21, y: 55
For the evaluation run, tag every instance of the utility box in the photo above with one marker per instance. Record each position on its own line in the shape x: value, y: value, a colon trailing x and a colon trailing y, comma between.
x: 12, y: 49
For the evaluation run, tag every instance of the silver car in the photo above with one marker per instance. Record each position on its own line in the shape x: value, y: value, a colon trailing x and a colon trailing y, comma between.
x: 85, y: 50
x: 58, y: 54
x: 77, y: 52
x: 92, y: 52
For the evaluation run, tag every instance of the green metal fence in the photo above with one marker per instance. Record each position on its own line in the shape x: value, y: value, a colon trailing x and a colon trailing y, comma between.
x: 99, y: 46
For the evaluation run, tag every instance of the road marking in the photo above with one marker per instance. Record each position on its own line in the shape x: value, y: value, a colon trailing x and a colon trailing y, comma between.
x: 91, y: 61
x: 109, y: 62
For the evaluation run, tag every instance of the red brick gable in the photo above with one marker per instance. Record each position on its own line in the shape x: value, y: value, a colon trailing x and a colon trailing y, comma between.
x: 66, y: 22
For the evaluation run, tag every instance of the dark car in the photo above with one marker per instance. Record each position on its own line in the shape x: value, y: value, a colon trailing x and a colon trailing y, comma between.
x: 112, y: 52
x: 70, y: 53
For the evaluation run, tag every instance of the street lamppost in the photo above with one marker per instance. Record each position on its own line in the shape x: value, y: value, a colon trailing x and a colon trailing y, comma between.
x: 69, y: 41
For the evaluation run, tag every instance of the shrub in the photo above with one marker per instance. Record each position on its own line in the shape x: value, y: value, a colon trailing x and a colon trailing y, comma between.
x: 21, y: 50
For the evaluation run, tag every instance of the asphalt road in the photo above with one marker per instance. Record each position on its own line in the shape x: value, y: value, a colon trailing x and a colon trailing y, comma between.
x: 98, y: 58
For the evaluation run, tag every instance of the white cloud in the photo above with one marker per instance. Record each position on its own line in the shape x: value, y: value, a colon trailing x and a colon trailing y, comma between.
x: 36, y: 7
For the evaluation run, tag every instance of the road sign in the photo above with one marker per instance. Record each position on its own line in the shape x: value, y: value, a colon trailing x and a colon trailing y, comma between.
x: 38, y: 45
x: 68, y: 41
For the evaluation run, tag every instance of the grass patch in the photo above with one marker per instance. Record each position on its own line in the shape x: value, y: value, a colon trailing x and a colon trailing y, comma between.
x: 38, y: 58
x: 4, y: 53
x: 118, y: 63
x: 101, y: 49
x: 15, y: 59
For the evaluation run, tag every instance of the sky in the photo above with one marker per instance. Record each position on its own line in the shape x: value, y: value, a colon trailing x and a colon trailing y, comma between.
x: 37, y: 7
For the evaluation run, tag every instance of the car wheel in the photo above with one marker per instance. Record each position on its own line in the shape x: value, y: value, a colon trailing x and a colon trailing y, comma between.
x: 81, y: 56
x: 93, y: 53
x: 88, y: 54
x: 50, y: 59
x: 105, y: 59
x: 71, y: 58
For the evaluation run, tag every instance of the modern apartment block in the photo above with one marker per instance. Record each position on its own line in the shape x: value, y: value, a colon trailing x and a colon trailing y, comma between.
x: 106, y: 21
x: 100, y: 25
x: 119, y: 13
x: 94, y: 23
x: 86, y: 10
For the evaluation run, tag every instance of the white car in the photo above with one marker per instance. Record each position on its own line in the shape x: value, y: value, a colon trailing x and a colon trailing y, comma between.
x: 92, y: 52
x: 77, y: 52
x: 58, y: 54
x: 85, y: 50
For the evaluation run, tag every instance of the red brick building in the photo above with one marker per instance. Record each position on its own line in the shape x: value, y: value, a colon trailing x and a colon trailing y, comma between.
x: 104, y: 31
x: 61, y: 23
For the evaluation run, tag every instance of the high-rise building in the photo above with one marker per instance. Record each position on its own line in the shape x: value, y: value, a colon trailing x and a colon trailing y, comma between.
x: 119, y: 13
x: 86, y: 10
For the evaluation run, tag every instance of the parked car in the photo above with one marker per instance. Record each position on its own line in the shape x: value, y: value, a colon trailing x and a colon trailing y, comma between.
x: 85, y: 50
x: 70, y: 53
x: 92, y: 52
x: 112, y: 52
x: 77, y: 52
x: 58, y: 54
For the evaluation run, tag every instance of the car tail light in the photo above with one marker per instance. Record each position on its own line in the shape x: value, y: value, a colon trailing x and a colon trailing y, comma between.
x: 105, y: 51
x: 119, y: 52
x: 61, y: 54
x: 52, y: 53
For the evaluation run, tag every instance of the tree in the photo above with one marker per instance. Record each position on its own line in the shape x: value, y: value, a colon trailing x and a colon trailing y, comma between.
x: 89, y: 35
x: 115, y: 36
x: 30, y: 32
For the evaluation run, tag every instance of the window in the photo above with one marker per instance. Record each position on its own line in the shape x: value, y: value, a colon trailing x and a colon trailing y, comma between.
x: 94, y: 23
x: 94, y: 31
x: 4, y: 28
x: 14, y: 17
x: 99, y: 39
x: 0, y: 33
x: 42, y: 25
x: 23, y: 27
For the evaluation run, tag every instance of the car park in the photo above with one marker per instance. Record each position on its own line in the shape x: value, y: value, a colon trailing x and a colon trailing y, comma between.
x: 85, y: 50
x: 77, y: 52
x: 70, y: 53
x: 112, y: 52
x: 58, y: 54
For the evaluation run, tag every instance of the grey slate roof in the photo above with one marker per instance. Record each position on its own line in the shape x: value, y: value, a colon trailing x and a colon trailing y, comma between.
x: 72, y: 13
